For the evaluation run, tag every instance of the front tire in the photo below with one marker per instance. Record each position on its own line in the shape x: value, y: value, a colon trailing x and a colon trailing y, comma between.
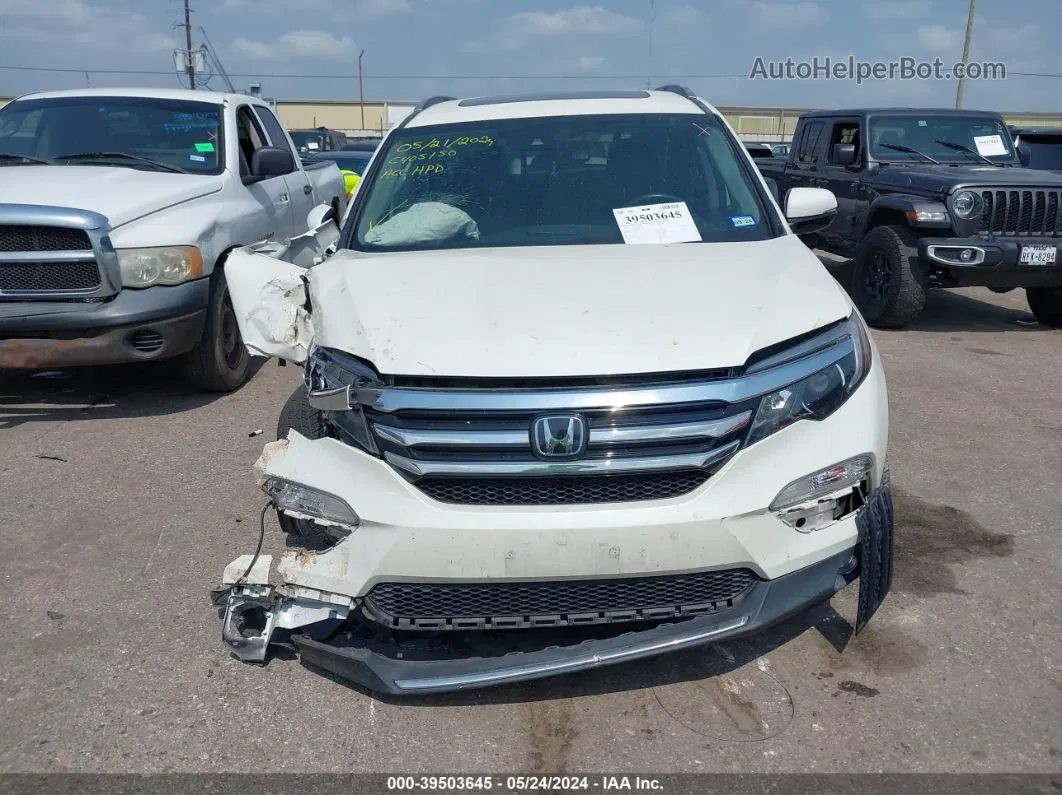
x: 889, y: 281
x: 1046, y: 304
x: 219, y: 362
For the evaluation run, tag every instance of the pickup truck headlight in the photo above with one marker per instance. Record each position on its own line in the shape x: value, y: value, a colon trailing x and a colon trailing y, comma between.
x: 966, y: 204
x: 327, y: 369
x: 818, y: 395
x: 146, y: 267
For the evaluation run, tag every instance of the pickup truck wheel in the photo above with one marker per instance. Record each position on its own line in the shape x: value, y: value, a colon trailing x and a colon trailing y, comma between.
x: 1046, y: 304
x: 888, y: 284
x: 219, y: 362
x: 300, y: 416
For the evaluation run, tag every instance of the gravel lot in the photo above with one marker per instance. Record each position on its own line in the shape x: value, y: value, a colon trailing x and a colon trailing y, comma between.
x: 124, y: 495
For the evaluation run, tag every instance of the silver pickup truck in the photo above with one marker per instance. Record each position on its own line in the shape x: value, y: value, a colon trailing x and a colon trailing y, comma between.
x: 118, y: 208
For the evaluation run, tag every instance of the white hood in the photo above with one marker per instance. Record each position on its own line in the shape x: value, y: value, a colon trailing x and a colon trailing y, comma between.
x: 571, y: 310
x: 121, y: 194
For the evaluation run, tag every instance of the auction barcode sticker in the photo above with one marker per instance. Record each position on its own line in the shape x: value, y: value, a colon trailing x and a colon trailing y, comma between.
x: 657, y: 223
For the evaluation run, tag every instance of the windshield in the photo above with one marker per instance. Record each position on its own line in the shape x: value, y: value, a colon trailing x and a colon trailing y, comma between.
x: 985, y: 135
x: 1044, y: 152
x: 307, y: 141
x: 557, y: 181
x: 179, y: 134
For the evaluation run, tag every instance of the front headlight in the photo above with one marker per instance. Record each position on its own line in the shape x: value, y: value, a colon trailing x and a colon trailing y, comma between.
x: 966, y: 204
x: 327, y: 369
x: 145, y: 267
x: 816, y: 396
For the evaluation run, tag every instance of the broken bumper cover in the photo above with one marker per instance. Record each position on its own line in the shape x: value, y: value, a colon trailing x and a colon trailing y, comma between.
x: 377, y: 668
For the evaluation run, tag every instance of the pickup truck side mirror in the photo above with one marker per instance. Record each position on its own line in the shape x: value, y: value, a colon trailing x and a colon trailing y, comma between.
x: 772, y: 186
x: 269, y: 162
x: 844, y: 154
x: 809, y: 209
x: 1023, y: 156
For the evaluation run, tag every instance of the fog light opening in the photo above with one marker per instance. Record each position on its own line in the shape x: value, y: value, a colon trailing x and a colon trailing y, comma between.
x: 819, y: 513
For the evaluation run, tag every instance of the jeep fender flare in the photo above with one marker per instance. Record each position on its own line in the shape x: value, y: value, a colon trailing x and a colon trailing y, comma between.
x: 897, y: 208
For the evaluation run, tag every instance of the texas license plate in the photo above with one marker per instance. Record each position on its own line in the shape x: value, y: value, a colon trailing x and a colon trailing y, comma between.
x: 1038, y: 255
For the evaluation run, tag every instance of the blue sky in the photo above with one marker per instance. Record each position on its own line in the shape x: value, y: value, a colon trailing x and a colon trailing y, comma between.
x: 415, y: 48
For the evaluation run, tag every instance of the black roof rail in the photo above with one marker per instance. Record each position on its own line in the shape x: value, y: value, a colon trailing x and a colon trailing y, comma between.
x: 682, y: 91
x: 427, y: 103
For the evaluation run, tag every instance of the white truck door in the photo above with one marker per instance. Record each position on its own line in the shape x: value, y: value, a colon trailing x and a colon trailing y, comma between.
x: 273, y: 195
x: 299, y: 188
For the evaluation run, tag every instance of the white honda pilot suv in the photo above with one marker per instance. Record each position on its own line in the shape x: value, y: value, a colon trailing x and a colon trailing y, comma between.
x: 575, y: 394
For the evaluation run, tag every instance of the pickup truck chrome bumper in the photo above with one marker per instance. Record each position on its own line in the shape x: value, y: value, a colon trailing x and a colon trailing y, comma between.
x: 353, y: 656
x: 135, y: 325
x: 995, y: 261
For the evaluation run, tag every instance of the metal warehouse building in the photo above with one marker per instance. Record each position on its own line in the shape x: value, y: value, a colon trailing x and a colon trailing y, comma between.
x: 766, y: 124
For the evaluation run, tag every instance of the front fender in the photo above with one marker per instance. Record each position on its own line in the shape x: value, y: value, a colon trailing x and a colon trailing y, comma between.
x: 267, y: 286
x: 908, y: 205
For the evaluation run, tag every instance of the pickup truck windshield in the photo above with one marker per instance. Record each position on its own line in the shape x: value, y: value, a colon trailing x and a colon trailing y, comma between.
x: 985, y: 135
x: 1045, y: 152
x: 555, y: 181
x: 177, y: 135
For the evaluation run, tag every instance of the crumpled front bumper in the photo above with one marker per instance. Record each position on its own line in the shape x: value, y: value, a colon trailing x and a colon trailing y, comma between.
x: 378, y: 668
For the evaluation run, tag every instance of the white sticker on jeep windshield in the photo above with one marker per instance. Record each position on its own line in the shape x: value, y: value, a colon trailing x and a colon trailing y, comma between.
x: 988, y: 145
x: 657, y: 223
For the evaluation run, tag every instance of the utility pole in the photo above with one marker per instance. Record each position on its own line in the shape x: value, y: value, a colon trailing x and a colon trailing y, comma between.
x: 188, y: 45
x: 361, y: 91
x: 965, y: 55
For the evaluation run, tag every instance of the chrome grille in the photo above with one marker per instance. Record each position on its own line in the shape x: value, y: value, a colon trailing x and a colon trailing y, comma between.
x: 633, y: 453
x: 1021, y: 212
x: 518, y: 605
x: 22, y: 237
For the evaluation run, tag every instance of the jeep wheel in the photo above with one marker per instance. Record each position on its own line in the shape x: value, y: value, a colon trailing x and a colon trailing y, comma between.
x: 1046, y: 304
x: 219, y: 362
x: 300, y: 416
x: 888, y: 282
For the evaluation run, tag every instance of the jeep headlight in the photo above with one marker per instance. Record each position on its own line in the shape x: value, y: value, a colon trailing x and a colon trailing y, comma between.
x: 966, y: 204
x: 146, y: 267
x: 328, y: 370
x: 818, y: 395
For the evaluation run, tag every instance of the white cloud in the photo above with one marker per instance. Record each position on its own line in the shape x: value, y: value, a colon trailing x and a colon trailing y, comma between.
x: 77, y: 22
x: 897, y: 9
x: 788, y: 15
x: 323, y: 9
x: 581, y: 20
x: 938, y: 37
x: 683, y: 16
x: 298, y: 44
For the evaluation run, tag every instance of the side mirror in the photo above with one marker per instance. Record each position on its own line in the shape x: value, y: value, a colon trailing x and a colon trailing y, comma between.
x: 1023, y: 156
x: 269, y: 162
x: 809, y: 209
x: 320, y: 215
x: 844, y: 154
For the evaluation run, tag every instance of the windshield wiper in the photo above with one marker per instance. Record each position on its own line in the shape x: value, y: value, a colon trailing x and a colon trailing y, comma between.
x: 29, y: 158
x: 910, y: 150
x: 122, y: 156
x: 964, y: 148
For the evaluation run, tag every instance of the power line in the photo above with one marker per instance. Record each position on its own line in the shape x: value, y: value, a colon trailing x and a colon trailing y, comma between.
x: 265, y: 75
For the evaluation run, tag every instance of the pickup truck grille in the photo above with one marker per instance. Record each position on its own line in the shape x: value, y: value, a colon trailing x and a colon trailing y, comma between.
x: 41, y: 261
x: 1033, y: 213
x: 48, y: 276
x: 522, y: 605
x: 487, y: 456
x: 18, y: 237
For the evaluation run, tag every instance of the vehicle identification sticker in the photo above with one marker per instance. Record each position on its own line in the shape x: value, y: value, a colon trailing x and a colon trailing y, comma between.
x: 657, y: 223
x: 204, y: 147
x: 197, y: 158
x: 742, y: 220
x: 988, y: 145
x: 1038, y: 255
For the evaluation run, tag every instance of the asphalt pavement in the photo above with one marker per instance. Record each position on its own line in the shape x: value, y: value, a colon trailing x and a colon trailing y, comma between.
x: 123, y: 494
